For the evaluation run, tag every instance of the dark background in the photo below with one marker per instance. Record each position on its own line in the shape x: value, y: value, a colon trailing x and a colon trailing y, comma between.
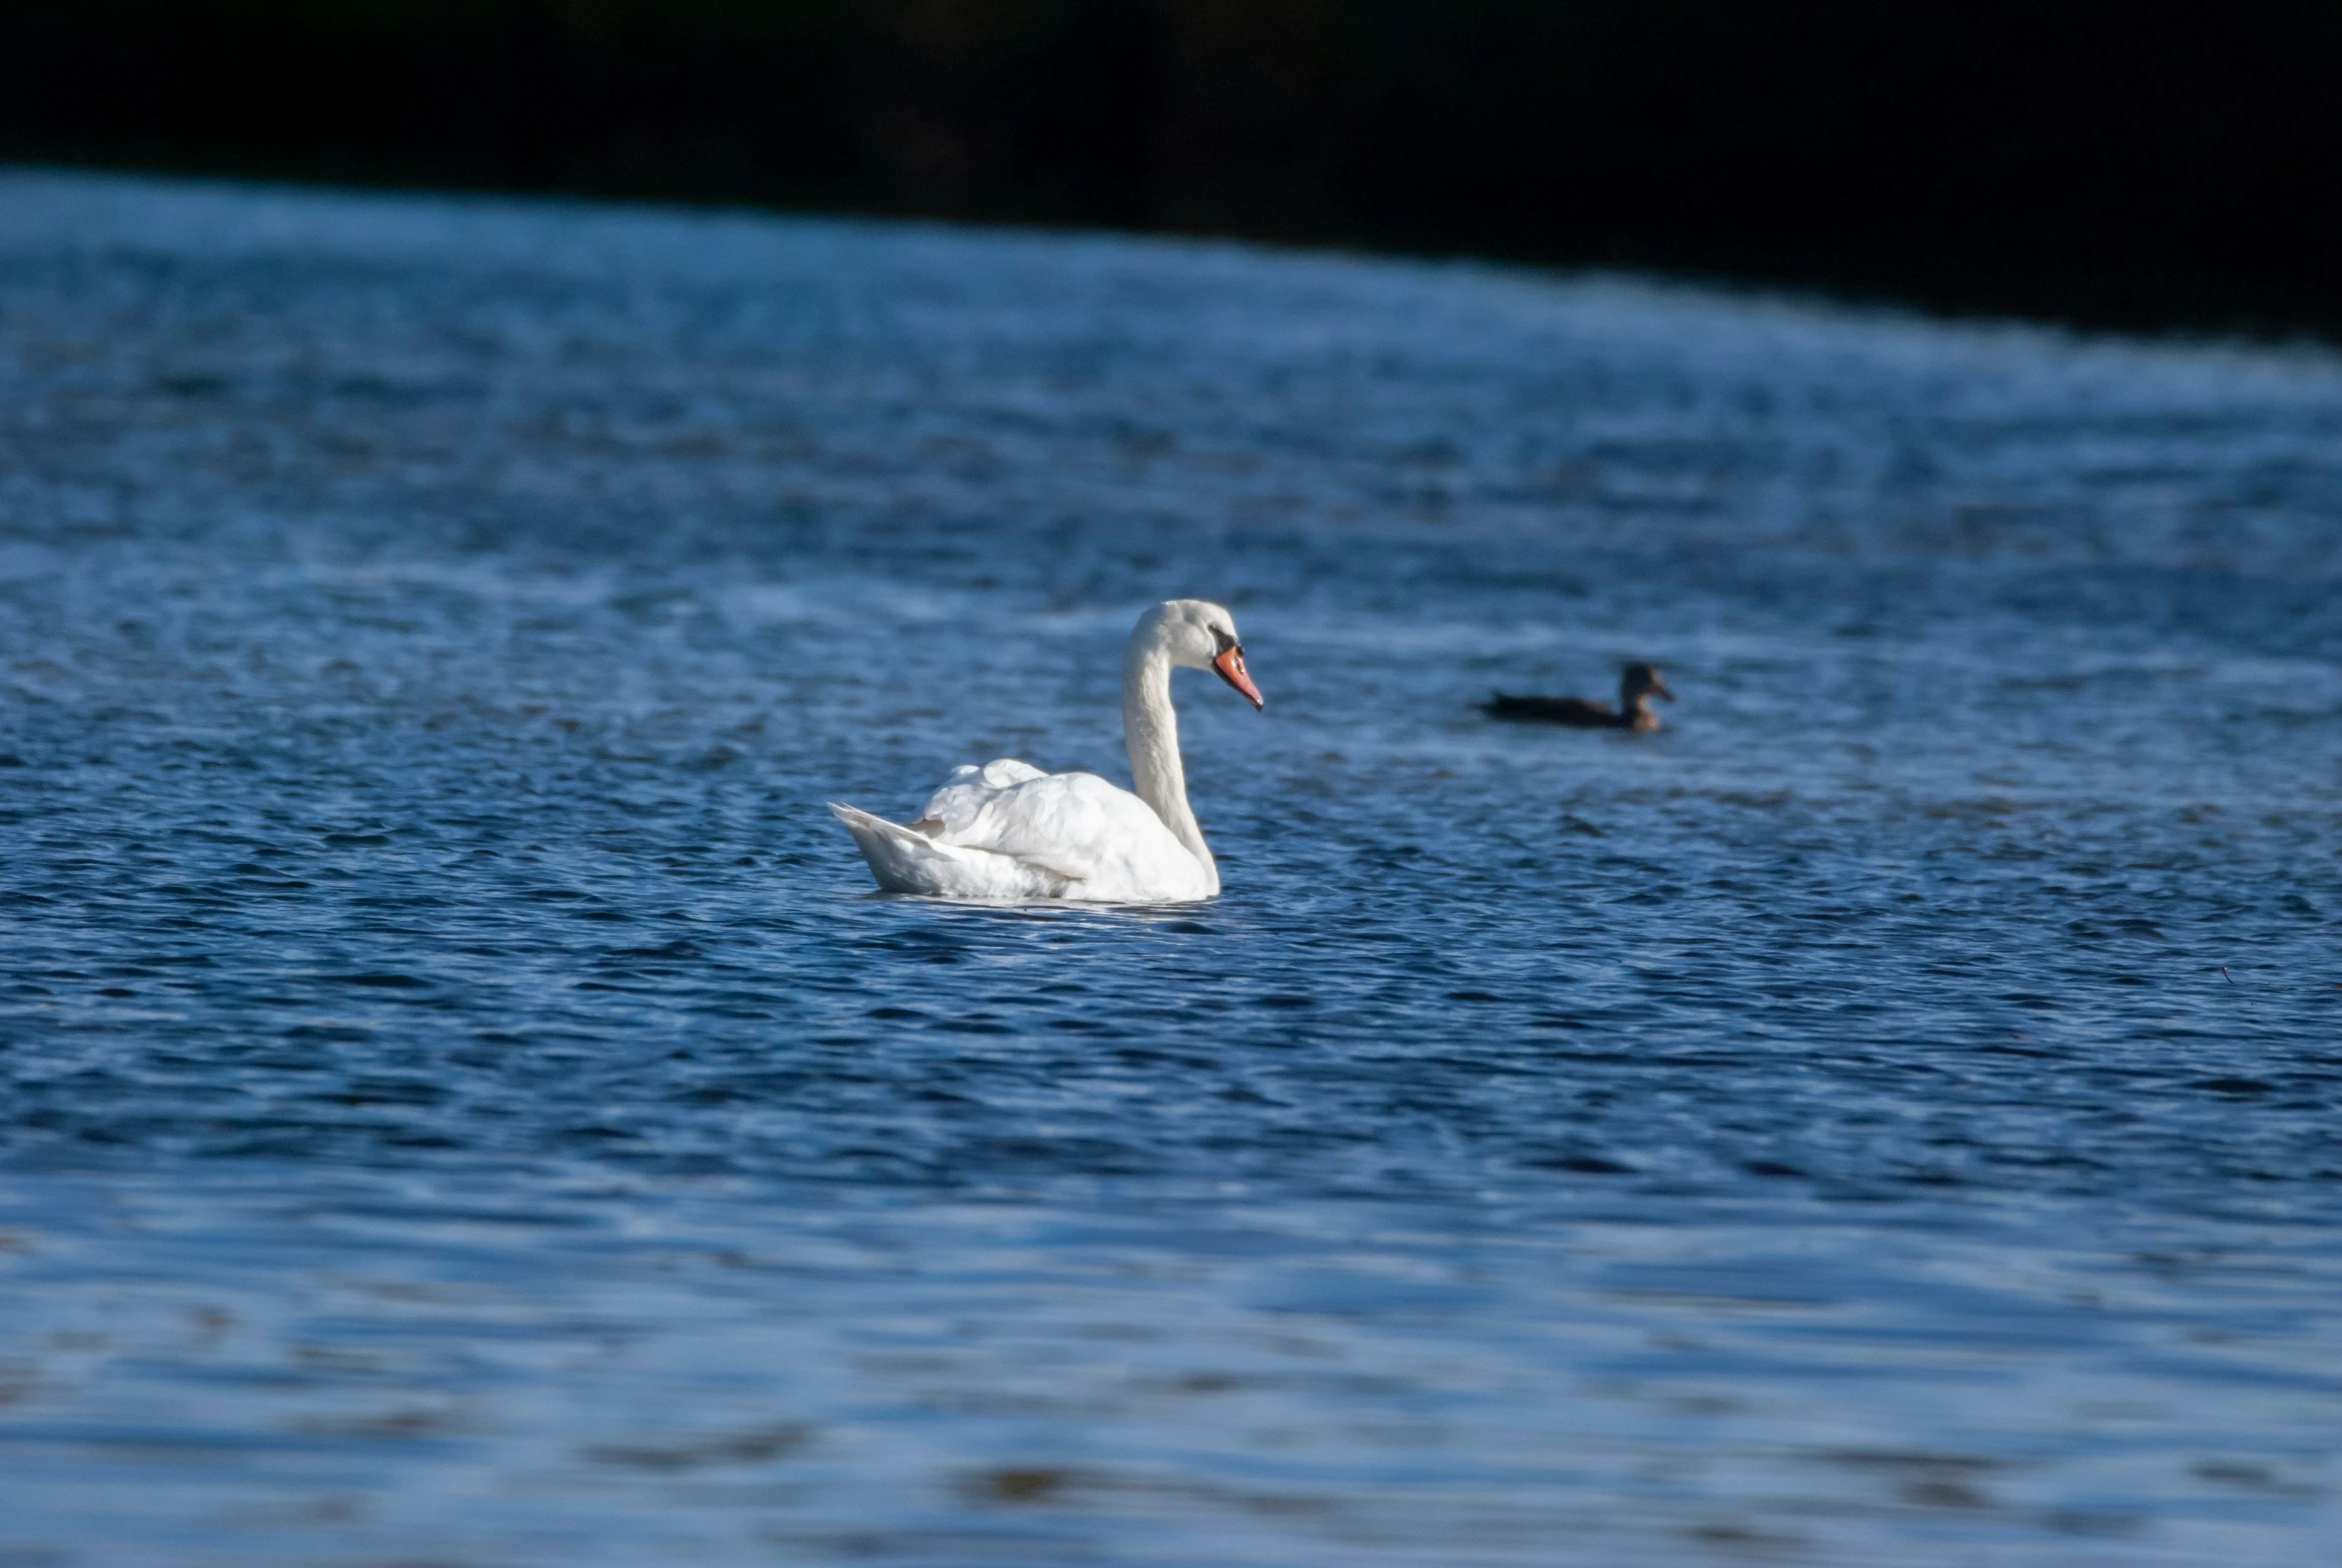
x: 2106, y: 163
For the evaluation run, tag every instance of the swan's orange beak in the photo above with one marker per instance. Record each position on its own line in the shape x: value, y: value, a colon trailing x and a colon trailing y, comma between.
x: 1231, y: 667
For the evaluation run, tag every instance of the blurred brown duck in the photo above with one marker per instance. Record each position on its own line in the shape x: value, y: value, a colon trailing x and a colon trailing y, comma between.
x: 1637, y: 685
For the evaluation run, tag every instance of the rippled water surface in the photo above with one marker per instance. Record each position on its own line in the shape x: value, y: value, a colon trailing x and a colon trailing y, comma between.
x: 461, y: 1104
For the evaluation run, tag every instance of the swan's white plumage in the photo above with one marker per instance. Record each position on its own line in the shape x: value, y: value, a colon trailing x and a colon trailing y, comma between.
x: 1007, y: 831
x: 908, y: 862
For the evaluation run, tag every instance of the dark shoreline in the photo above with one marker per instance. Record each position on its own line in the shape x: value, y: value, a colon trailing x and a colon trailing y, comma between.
x: 2084, y: 164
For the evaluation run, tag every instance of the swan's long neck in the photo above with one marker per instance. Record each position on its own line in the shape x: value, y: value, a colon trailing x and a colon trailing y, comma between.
x: 1152, y: 731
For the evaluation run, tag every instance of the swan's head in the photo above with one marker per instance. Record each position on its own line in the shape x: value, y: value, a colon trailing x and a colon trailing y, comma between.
x: 1638, y: 679
x: 1198, y: 634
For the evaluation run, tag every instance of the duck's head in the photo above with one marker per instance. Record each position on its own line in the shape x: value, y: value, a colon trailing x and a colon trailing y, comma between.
x: 1198, y: 634
x: 1640, y: 680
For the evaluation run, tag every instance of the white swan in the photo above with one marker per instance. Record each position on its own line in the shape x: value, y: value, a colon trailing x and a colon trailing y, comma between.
x: 1009, y: 831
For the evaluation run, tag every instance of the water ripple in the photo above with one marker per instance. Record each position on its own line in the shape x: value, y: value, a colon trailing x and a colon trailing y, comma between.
x: 460, y: 1100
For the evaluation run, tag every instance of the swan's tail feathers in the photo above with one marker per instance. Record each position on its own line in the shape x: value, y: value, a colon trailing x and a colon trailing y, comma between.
x: 899, y: 858
x: 905, y: 861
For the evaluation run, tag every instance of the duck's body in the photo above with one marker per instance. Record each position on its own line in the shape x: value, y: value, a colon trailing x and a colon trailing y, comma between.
x: 1574, y: 712
x: 1636, y: 687
x: 1009, y: 832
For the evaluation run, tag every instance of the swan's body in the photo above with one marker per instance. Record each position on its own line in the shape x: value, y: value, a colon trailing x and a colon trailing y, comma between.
x: 1007, y: 831
x: 1637, y: 685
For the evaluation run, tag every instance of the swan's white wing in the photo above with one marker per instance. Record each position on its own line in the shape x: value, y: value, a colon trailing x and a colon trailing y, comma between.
x: 905, y: 861
x: 951, y: 810
x: 1007, y: 830
x: 1107, y: 842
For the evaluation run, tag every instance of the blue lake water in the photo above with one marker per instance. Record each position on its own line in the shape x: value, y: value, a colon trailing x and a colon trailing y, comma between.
x: 460, y: 1102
